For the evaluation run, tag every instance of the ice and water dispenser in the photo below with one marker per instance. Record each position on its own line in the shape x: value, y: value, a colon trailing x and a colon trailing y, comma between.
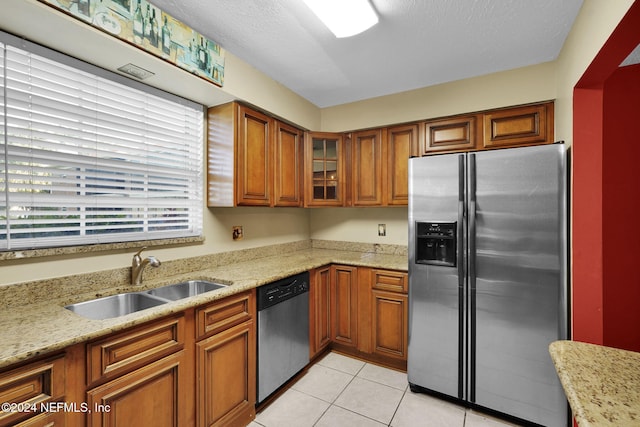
x: 436, y: 243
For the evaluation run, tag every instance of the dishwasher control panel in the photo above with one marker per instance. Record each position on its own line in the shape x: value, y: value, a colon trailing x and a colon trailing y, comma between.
x: 283, y: 289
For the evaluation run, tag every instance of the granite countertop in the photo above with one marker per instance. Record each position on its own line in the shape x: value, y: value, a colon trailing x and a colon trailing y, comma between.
x: 601, y: 383
x: 45, y: 326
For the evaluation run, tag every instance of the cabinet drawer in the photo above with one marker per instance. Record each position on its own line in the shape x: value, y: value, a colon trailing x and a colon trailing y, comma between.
x: 123, y: 352
x: 32, y: 384
x: 224, y: 314
x: 51, y: 419
x: 393, y: 281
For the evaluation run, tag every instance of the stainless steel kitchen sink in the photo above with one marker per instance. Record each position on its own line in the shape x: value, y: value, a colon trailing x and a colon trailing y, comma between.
x: 115, y: 305
x: 126, y: 303
x: 185, y: 289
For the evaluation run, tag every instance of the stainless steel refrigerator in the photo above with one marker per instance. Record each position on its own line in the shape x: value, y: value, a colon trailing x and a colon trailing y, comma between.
x: 488, y: 279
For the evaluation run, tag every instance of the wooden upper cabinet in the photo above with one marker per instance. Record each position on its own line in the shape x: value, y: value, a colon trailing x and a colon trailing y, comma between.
x: 452, y: 134
x: 288, y: 165
x: 325, y: 180
x: 402, y: 143
x: 379, y: 164
x: 368, y: 168
x: 252, y: 159
x: 526, y: 125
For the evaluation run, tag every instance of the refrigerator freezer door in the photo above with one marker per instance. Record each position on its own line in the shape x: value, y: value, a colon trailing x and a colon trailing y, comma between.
x: 434, y: 357
x: 520, y: 286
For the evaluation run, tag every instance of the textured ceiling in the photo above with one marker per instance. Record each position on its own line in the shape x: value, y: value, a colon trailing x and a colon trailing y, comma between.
x: 417, y: 43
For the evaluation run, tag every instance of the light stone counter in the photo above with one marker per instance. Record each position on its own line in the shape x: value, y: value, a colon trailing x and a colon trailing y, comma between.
x: 33, y: 320
x: 602, y: 384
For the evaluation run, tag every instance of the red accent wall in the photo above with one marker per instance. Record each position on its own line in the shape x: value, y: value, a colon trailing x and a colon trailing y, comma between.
x: 606, y: 195
x: 587, y: 217
x: 621, y: 209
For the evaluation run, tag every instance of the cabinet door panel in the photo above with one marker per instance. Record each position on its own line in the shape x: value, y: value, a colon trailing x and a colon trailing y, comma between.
x: 519, y: 126
x: 319, y: 310
x: 287, y: 165
x: 390, y: 320
x: 152, y: 395
x: 453, y: 134
x: 226, y: 368
x: 400, y: 143
x: 368, y: 168
x: 344, y: 305
x: 253, y: 157
x: 324, y: 176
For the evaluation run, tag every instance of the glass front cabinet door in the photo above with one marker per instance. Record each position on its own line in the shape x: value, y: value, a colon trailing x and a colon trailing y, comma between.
x: 325, y: 177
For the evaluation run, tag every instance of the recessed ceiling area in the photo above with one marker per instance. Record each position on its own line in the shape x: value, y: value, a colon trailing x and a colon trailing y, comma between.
x: 417, y: 43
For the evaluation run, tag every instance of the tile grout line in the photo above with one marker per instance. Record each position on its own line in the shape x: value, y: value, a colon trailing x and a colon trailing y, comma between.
x: 338, y: 395
x: 404, y: 393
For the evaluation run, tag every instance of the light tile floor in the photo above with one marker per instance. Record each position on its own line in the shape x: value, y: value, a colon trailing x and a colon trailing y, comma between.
x: 342, y: 391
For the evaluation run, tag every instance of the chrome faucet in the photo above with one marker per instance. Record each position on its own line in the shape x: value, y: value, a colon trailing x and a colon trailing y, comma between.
x: 137, y: 265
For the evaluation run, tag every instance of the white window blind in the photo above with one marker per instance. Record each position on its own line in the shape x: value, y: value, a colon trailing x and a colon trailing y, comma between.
x: 86, y: 159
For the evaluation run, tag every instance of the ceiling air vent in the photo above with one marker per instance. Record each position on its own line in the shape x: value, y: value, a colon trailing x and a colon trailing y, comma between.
x: 135, y: 71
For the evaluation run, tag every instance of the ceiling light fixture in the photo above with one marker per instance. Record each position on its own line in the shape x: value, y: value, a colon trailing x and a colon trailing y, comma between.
x: 345, y: 18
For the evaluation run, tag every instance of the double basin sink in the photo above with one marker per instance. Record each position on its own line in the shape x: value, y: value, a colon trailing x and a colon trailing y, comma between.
x: 131, y: 302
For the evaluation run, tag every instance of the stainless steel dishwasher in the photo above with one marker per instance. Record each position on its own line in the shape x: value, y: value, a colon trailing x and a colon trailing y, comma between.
x: 283, y: 332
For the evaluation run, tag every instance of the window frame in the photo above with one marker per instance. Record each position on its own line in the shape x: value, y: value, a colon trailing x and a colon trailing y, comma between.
x: 196, y: 204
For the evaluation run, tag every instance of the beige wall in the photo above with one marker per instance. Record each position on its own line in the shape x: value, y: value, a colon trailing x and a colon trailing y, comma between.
x: 519, y: 86
x: 262, y: 226
x: 359, y: 224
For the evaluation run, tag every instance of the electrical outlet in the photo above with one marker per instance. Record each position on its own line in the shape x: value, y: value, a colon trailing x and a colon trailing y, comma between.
x: 237, y: 232
x: 382, y: 229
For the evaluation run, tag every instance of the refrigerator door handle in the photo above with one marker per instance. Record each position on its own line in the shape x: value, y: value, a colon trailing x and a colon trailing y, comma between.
x: 461, y: 218
x: 462, y: 332
x: 472, y: 276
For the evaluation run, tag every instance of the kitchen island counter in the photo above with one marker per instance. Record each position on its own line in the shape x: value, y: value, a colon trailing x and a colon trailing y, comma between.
x: 601, y: 383
x: 34, y: 321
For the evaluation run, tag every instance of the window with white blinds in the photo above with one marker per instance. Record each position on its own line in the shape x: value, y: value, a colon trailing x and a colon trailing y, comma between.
x: 87, y: 157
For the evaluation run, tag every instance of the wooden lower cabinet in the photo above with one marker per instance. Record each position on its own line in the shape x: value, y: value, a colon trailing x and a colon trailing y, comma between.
x: 369, y: 314
x: 319, y: 310
x: 30, y: 387
x: 195, y: 367
x: 389, y: 330
x: 153, y: 395
x: 389, y: 314
x: 226, y: 389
